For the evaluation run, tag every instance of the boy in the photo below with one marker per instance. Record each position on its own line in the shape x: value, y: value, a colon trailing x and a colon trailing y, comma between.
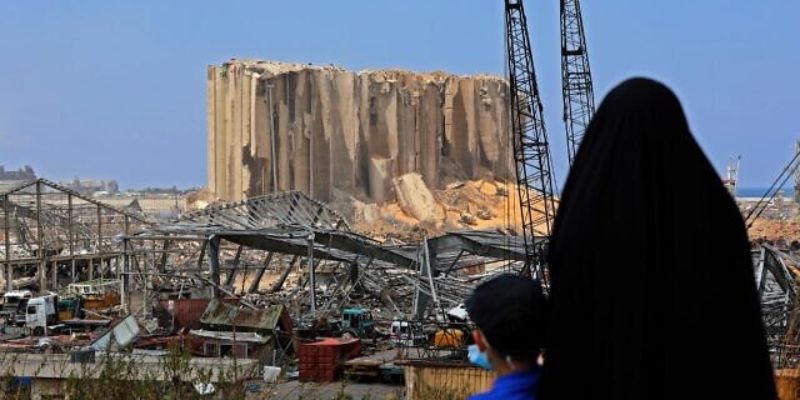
x: 510, y: 313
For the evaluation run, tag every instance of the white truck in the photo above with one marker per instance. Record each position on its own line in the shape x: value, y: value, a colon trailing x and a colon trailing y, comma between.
x: 407, y: 334
x: 14, y: 303
x: 40, y: 313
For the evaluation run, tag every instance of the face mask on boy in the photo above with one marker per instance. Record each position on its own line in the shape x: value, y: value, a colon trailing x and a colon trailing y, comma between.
x: 478, y: 357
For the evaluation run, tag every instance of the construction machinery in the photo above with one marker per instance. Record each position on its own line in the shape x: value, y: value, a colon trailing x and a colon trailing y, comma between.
x: 576, y: 76
x: 357, y: 322
x: 732, y: 177
x: 777, y: 186
x: 535, y: 183
x: 529, y: 138
x: 797, y: 180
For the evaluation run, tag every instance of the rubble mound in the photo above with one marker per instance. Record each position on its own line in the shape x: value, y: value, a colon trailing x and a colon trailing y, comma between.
x: 415, y: 199
x: 419, y: 211
x: 775, y: 230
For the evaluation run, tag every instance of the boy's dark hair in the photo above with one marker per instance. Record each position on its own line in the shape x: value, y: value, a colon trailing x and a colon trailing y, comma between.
x: 512, y: 313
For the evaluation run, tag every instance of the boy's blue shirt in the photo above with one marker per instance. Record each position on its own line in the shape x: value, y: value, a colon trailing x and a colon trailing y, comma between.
x: 514, y: 386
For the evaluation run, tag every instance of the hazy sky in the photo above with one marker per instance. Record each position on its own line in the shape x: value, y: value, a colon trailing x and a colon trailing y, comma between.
x: 112, y: 89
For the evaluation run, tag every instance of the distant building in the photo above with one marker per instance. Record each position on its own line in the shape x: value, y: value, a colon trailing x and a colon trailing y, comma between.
x: 11, y: 179
x: 90, y: 186
x: 22, y: 174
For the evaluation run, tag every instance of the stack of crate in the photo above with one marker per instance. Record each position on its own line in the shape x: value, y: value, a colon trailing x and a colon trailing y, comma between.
x: 323, y: 360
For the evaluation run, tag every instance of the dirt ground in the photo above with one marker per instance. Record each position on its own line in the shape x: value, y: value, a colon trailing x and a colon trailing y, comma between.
x: 775, y: 230
x: 294, y: 390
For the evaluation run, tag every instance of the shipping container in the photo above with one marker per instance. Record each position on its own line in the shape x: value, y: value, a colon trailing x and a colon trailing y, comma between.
x: 323, y: 360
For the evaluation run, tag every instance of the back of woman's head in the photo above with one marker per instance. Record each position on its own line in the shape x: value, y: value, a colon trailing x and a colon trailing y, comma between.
x: 652, y: 284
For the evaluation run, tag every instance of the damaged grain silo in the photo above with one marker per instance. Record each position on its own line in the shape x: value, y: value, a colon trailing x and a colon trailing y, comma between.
x: 330, y: 132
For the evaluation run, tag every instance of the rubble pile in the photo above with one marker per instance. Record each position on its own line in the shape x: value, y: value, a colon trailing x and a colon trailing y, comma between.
x: 259, y: 278
x: 779, y: 221
x: 479, y: 205
x: 775, y: 230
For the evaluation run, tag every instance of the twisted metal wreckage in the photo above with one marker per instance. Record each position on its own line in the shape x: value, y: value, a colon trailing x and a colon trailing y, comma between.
x: 777, y: 274
x: 52, y: 235
x: 295, y: 233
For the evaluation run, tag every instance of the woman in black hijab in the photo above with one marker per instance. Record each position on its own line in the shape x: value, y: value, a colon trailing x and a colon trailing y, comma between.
x: 653, y: 290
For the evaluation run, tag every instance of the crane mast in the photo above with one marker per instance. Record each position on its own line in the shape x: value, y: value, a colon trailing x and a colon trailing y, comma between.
x: 791, y: 169
x: 576, y: 76
x: 529, y: 137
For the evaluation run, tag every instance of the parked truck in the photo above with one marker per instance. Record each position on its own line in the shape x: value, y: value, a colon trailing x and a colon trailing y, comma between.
x: 14, y: 302
x: 407, y: 334
x: 41, y: 313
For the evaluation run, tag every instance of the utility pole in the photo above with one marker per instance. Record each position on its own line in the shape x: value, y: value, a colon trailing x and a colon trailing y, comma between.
x: 312, y: 275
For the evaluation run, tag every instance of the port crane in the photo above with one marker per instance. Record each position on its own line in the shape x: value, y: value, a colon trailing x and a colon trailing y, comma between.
x: 576, y: 76
x: 533, y: 164
x: 529, y: 138
x: 778, y: 184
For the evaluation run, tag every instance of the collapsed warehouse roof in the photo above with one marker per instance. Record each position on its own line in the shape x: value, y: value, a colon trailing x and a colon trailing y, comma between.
x: 288, y: 232
x: 777, y: 274
x: 279, y: 209
x: 285, y: 222
x: 45, y: 225
x: 292, y: 224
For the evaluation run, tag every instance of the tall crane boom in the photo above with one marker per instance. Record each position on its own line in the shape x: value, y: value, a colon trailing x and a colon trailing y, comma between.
x: 778, y: 184
x: 576, y: 76
x: 529, y: 137
x: 797, y: 179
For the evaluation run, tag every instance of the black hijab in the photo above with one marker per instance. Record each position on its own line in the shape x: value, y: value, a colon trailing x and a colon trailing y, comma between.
x: 653, y: 290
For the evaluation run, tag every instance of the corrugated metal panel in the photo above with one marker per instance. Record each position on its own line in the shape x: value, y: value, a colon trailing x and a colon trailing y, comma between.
x: 249, y: 337
x: 121, y: 334
x: 221, y: 314
x: 439, y: 381
x: 185, y: 312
